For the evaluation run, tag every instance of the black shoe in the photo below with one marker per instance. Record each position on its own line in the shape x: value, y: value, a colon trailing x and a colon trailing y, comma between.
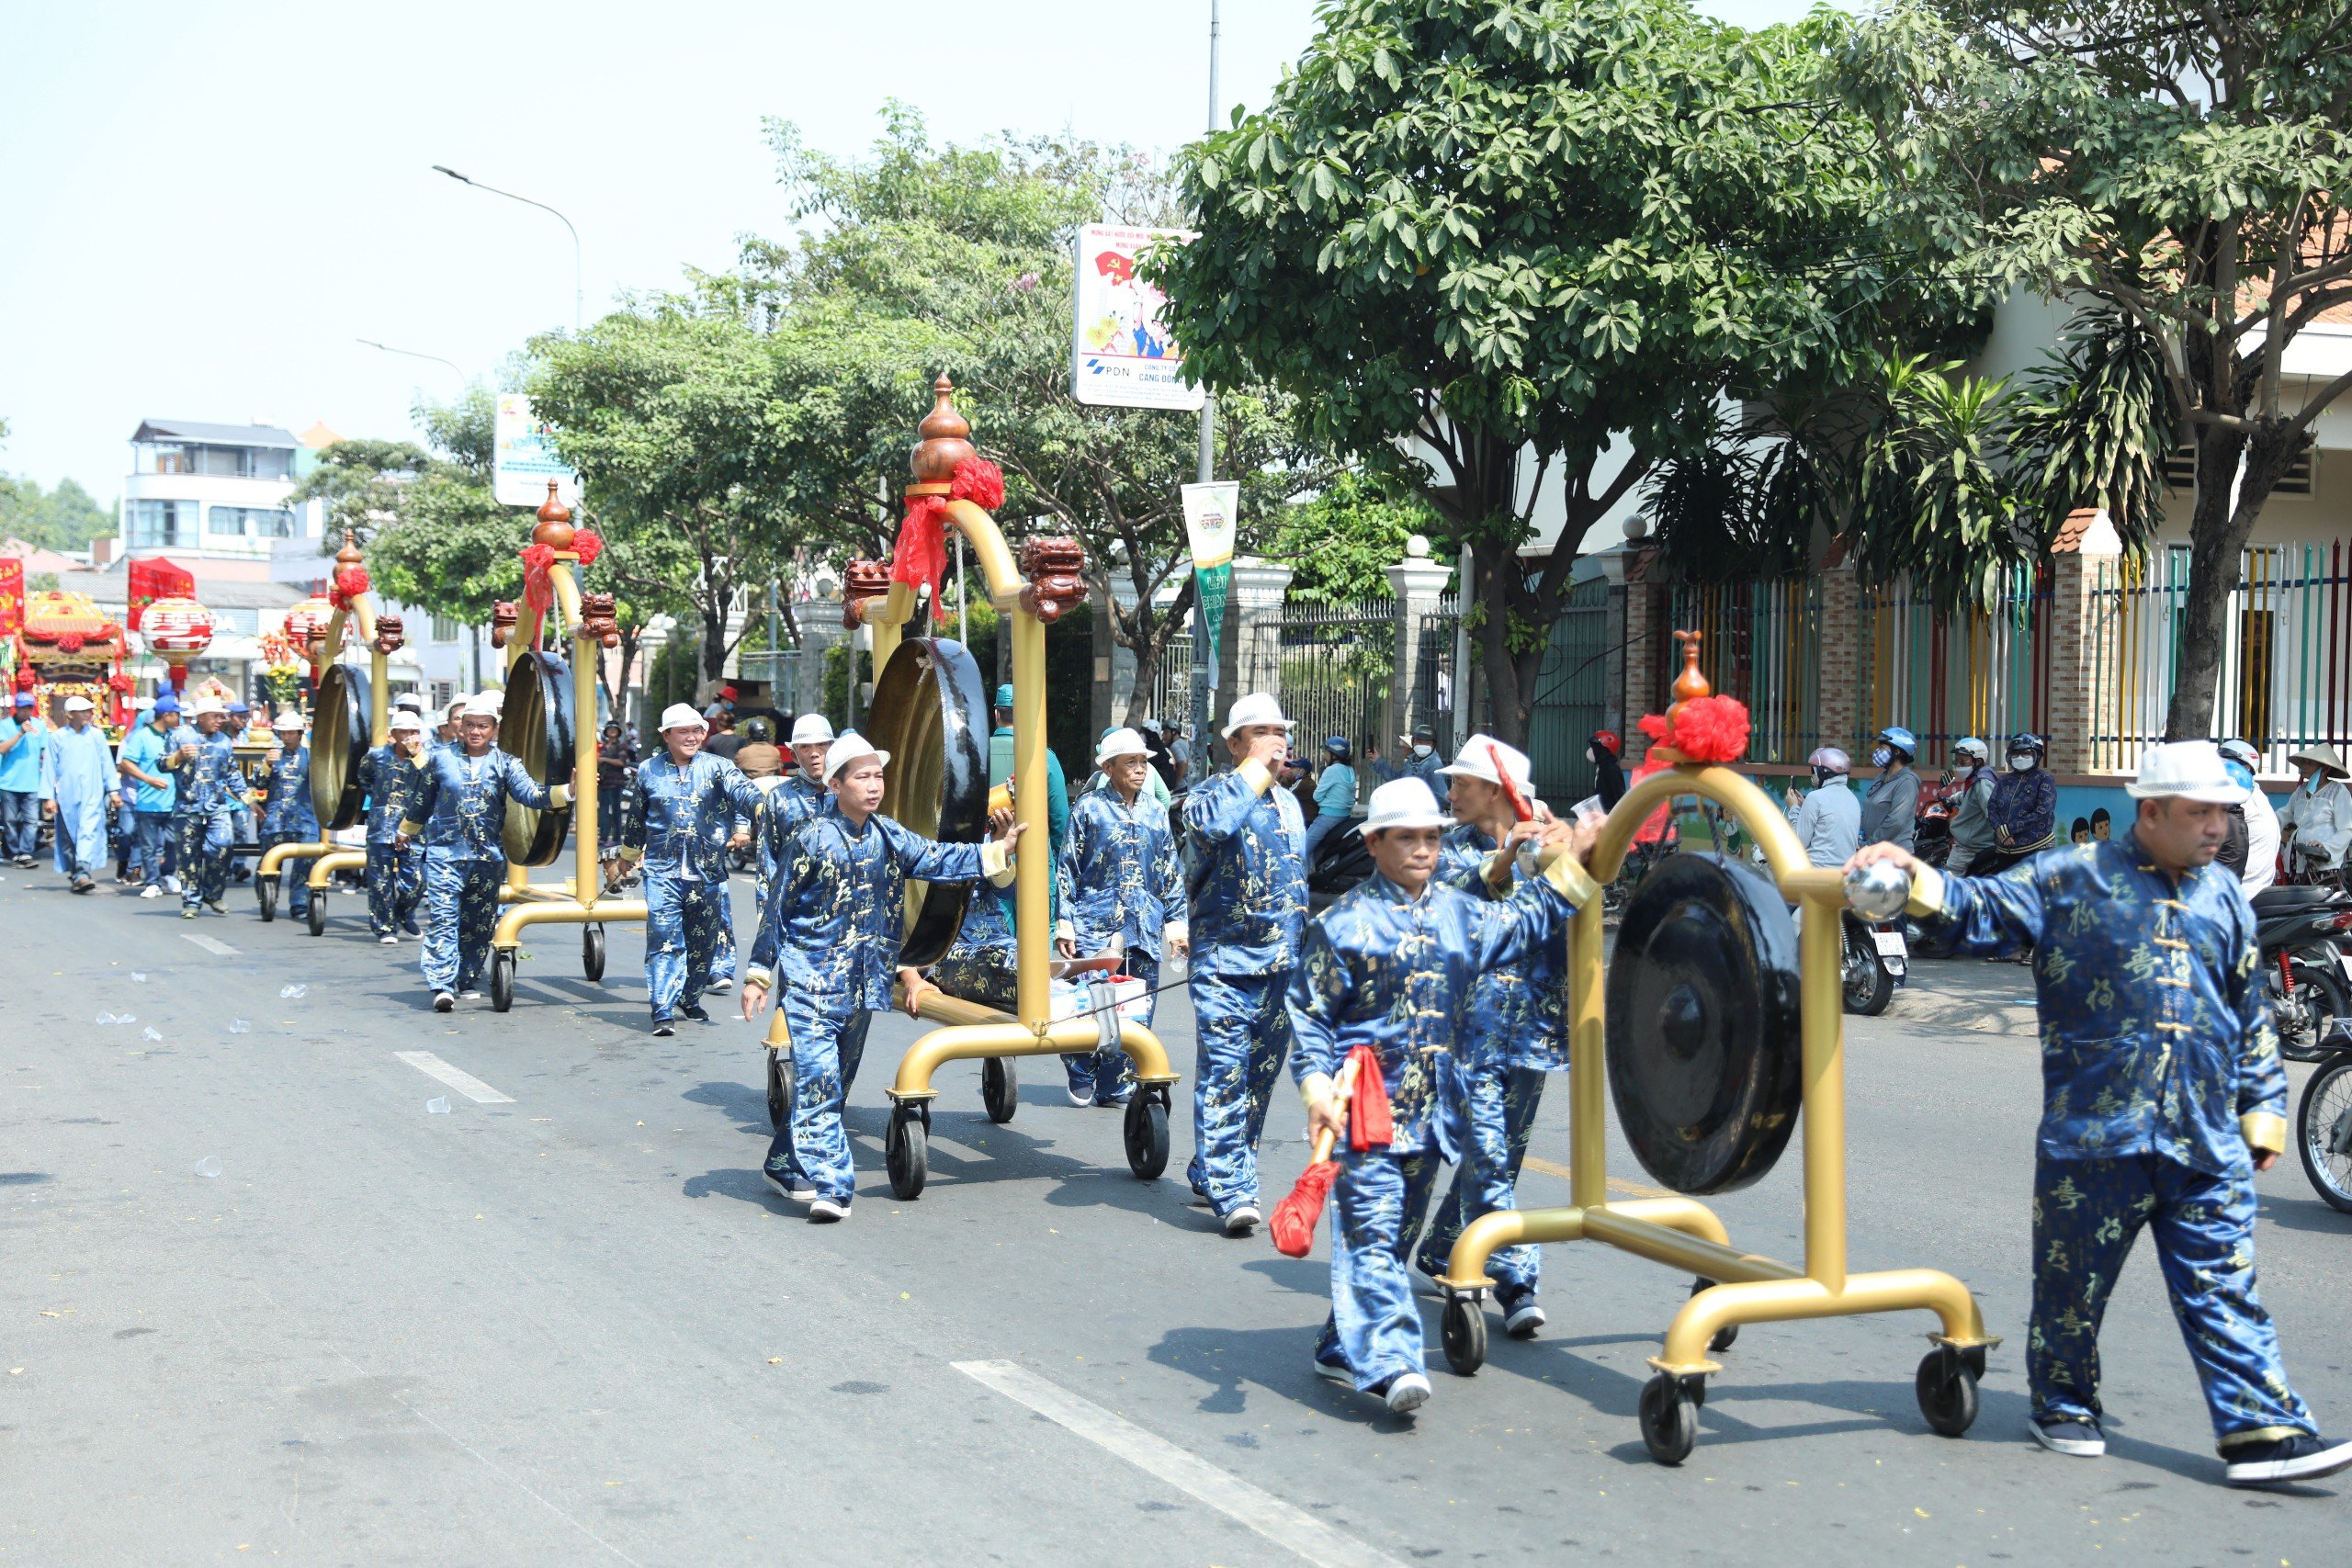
x: 409, y: 928
x: 2303, y: 1457
x: 442, y: 1000
x: 663, y: 1029
x: 220, y: 908
x: 694, y: 1012
x: 1521, y: 1316
x: 83, y: 885
x: 2064, y: 1434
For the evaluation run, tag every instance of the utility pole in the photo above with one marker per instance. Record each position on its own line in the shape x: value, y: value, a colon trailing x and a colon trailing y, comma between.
x: 1201, y: 671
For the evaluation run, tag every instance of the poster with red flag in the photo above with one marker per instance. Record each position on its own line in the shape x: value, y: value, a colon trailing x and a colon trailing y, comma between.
x: 12, y: 595
x: 156, y: 579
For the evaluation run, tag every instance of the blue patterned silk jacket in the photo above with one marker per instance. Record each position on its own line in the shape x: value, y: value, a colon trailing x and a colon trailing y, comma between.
x: 1517, y: 1013
x: 210, y: 782
x: 1399, y: 973
x: 2155, y: 1035
x: 782, y: 811
x: 285, y: 803
x: 1119, y: 872
x: 680, y: 819
x: 459, y: 802
x: 834, y: 923
x: 1253, y: 901
x: 391, y: 781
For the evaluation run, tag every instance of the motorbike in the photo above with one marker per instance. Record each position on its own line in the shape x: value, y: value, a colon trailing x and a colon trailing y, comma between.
x: 2302, y: 932
x: 2324, y: 1119
x: 1877, y: 959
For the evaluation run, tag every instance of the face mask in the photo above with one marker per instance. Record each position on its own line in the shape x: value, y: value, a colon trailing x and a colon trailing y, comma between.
x: 1821, y: 776
x: 2020, y: 762
x: 1420, y: 749
x: 1881, y: 757
x: 2310, y: 785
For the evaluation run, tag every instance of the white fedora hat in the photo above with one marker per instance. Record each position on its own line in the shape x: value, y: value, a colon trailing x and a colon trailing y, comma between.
x: 2190, y: 769
x: 406, y: 718
x: 812, y: 730
x: 682, y: 715
x: 1256, y: 708
x: 84, y: 704
x: 289, y: 719
x: 203, y: 705
x: 849, y: 746
x: 1476, y: 760
x: 483, y: 705
x: 1121, y: 742
x: 1402, y: 803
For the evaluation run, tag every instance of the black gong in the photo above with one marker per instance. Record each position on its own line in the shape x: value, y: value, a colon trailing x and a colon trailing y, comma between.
x: 339, y: 736
x: 931, y: 714
x: 1706, y: 1052
x: 535, y: 727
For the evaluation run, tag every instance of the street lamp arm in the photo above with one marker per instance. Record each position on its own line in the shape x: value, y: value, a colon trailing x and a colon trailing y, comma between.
x: 412, y: 353
x: 577, y: 290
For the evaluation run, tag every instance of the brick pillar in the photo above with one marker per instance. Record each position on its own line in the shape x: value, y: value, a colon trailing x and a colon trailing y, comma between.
x: 1416, y: 583
x: 1840, y: 720
x: 1646, y: 635
x: 2086, y: 542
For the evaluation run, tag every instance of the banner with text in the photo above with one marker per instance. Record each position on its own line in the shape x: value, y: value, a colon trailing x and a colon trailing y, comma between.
x: 524, y: 459
x: 1210, y: 514
x: 1121, y: 354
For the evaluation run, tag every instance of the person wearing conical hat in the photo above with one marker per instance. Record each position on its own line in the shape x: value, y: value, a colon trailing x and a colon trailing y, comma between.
x: 2163, y: 1094
x: 2316, y: 821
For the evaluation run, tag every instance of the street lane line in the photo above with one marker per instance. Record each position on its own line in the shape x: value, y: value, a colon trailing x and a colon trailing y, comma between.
x: 1285, y: 1524
x: 1622, y: 1188
x: 472, y: 1088
x: 209, y: 944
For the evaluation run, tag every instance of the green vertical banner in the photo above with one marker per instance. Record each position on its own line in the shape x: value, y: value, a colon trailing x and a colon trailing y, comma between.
x: 1210, y: 511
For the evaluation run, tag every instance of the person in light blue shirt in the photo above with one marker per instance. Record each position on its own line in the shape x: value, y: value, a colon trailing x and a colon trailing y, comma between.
x: 22, y: 739
x: 79, y: 788
x: 1334, y: 794
x: 151, y: 792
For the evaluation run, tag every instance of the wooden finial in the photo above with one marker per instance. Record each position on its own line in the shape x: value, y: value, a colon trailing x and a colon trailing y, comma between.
x: 944, y: 433
x: 555, y: 522
x: 349, y: 555
x: 1690, y: 684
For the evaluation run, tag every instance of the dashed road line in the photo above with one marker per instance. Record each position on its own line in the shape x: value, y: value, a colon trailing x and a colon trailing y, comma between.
x: 465, y: 1083
x: 1622, y: 1188
x: 209, y: 944
x: 1285, y: 1524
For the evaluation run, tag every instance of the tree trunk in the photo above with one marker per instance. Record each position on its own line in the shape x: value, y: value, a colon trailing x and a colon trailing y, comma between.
x: 2217, y: 537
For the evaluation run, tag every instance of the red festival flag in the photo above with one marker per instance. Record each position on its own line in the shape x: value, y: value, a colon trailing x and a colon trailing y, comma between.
x: 156, y: 579
x: 12, y: 595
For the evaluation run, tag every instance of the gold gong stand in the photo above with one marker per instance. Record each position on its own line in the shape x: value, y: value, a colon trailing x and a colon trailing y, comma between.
x: 972, y: 1032
x: 1683, y: 1233
x: 579, y: 900
x: 327, y: 857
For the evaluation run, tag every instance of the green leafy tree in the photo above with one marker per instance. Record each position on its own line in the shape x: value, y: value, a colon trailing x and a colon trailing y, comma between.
x: 1479, y: 243
x: 1340, y: 544
x: 2184, y: 164
x: 65, y: 518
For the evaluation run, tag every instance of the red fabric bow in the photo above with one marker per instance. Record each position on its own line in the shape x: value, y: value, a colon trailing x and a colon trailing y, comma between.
x: 539, y: 588
x: 919, y: 557
x: 588, y: 544
x: 349, y: 583
x: 1704, y: 730
x: 1370, y: 1126
x: 978, y: 481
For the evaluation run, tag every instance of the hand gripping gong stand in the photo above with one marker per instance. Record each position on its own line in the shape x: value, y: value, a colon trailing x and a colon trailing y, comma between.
x: 913, y: 737
x: 1734, y: 1287
x: 550, y: 709
x: 347, y: 721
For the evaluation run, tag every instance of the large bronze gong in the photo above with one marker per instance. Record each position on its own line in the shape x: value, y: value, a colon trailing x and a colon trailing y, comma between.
x: 931, y: 714
x: 340, y: 731
x: 535, y: 727
x: 1704, y: 1047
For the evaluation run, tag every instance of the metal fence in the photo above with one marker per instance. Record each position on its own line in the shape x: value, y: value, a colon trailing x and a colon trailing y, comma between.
x: 1434, y: 677
x: 1171, y: 688
x: 796, y: 675
x: 1763, y: 645
x: 1944, y: 674
x: 2285, y: 679
x: 1571, y: 694
x: 1332, y: 665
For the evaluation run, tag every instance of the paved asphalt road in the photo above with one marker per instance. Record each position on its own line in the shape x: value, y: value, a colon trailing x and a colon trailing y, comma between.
x: 571, y: 1327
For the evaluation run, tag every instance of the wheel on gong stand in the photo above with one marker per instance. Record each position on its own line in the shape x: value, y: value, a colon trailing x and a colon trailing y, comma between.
x: 592, y: 951
x: 1947, y: 1388
x: 1669, y: 1416
x: 905, y: 1148
x: 317, y: 915
x: 502, y: 979
x: 1463, y: 1331
x: 266, y: 893
x: 1000, y: 1089
x: 779, y: 1092
x: 1146, y: 1132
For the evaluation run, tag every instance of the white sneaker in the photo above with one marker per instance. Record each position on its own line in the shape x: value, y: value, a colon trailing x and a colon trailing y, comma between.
x: 1408, y: 1391
x: 151, y: 891
x: 825, y: 1211
x: 801, y: 1193
x: 1242, y: 1220
x: 721, y: 984
x: 1082, y: 1101
x: 171, y: 885
x: 1333, y: 1371
x: 443, y: 1002
x: 387, y: 940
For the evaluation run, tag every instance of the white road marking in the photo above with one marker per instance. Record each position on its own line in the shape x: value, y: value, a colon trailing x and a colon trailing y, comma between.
x: 209, y: 944
x: 945, y: 1145
x: 1285, y: 1524
x: 472, y: 1088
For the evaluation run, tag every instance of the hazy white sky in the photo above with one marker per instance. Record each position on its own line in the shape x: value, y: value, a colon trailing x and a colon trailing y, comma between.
x: 203, y: 205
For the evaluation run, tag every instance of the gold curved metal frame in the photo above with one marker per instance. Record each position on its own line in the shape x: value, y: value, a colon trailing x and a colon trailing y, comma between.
x: 1681, y: 1231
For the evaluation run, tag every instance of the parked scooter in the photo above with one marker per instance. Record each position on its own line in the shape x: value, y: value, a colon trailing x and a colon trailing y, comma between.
x: 2324, y: 1119
x: 2303, y: 933
x: 1877, y: 960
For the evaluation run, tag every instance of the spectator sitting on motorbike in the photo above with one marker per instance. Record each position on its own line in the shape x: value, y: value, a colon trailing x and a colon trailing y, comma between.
x: 2317, y: 821
x: 1607, y: 771
x: 1334, y: 794
x: 1829, y: 823
x: 2251, y: 849
x: 1972, y: 799
x: 2024, y: 808
x: 1890, y: 809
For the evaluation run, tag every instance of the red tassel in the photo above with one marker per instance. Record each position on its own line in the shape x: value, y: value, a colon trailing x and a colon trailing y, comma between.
x: 588, y: 544
x: 919, y: 557
x: 1294, y: 1220
x: 978, y: 481
x: 539, y: 588
x: 1370, y: 1126
x: 1712, y: 730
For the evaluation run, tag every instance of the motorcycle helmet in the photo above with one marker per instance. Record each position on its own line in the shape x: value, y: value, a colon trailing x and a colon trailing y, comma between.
x: 2240, y: 751
x: 1828, y: 763
x: 1969, y: 746
x: 1609, y: 741
x: 760, y: 732
x: 1337, y: 746
x: 1902, y: 740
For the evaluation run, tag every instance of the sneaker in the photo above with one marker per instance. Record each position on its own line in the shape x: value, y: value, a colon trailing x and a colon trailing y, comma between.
x: 172, y: 885
x: 825, y: 1211
x: 188, y: 914
x: 797, y: 1191
x: 663, y: 1029
x: 1241, y: 1219
x: 443, y: 1002
x: 1521, y: 1316
x: 151, y: 891
x: 218, y: 907
x: 1082, y: 1098
x: 1406, y: 1392
x: 2064, y: 1435
x: 1117, y: 1101
x: 1335, y: 1371
x: 694, y: 1012
x: 409, y: 928
x: 2304, y: 1457
x: 387, y: 939
x: 718, y: 986
x: 83, y: 885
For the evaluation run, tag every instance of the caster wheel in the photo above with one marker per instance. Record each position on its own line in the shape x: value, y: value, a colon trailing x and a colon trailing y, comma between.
x: 266, y: 891
x: 907, y: 1150
x: 1728, y: 1335
x: 779, y: 1093
x: 592, y: 951
x: 999, y: 1089
x: 1147, y: 1135
x: 1947, y: 1387
x: 317, y: 915
x: 501, y: 980
x: 1670, y: 1419
x: 1464, y: 1332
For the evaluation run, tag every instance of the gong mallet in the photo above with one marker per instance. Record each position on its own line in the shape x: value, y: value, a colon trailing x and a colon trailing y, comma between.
x: 1295, y: 1218
x: 1519, y: 806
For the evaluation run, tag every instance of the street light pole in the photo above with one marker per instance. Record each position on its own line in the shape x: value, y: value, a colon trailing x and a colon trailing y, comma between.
x: 1201, y: 672
x: 412, y: 354
x: 579, y: 293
